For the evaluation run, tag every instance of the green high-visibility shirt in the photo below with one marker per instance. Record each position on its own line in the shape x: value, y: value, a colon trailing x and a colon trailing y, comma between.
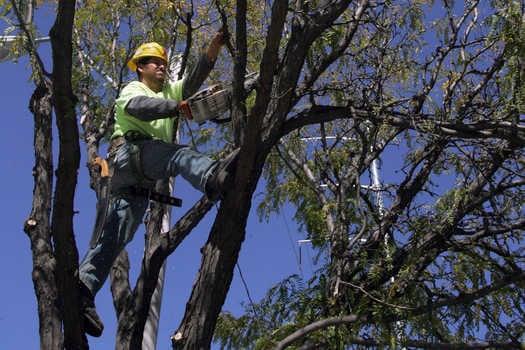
x: 160, y: 129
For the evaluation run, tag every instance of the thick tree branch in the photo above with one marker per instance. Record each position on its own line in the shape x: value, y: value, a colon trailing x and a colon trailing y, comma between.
x: 120, y: 287
x: 220, y: 254
x: 267, y: 73
x: 38, y: 225
x: 239, y: 70
x: 305, y: 30
x: 171, y: 240
x: 69, y: 158
x: 137, y: 304
x: 476, y: 130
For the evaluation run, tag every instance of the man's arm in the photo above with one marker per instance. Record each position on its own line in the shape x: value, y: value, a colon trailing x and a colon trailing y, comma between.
x: 202, y: 69
x: 150, y: 108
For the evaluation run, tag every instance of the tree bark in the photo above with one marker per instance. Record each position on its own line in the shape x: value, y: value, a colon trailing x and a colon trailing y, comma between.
x: 221, y: 252
x: 133, y: 308
x: 140, y: 306
x: 219, y: 256
x: 37, y: 226
x: 68, y: 164
x: 317, y: 325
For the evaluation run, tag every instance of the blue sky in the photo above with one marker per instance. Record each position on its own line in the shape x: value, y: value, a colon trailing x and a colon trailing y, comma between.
x: 267, y: 255
x: 266, y: 258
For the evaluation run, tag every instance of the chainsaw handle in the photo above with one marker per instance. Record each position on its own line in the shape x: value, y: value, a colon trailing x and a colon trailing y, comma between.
x: 184, y: 107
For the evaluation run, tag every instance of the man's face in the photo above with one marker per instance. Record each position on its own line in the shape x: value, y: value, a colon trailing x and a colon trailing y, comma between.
x: 153, y: 68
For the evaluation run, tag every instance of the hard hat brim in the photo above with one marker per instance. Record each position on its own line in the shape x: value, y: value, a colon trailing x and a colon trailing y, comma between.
x: 132, y: 63
x: 152, y: 49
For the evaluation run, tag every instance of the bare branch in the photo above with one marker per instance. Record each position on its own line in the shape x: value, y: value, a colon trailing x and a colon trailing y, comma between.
x: 379, y: 301
x: 338, y: 51
x: 468, y: 298
x: 120, y: 287
x: 514, y: 133
x: 239, y: 70
x: 267, y: 73
x: 172, y: 239
x: 189, y: 40
x: 315, y: 326
x: 41, y: 73
x: 491, y: 231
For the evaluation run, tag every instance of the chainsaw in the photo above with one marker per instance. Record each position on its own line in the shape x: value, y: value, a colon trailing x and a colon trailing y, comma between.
x: 213, y: 102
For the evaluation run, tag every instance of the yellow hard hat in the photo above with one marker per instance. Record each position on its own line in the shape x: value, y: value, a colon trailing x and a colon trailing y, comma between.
x: 147, y: 50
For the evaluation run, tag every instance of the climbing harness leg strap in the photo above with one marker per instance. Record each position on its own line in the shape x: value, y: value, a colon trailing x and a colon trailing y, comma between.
x: 155, y: 196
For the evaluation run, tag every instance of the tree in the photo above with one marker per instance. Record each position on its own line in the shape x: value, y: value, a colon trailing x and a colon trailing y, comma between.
x: 438, y: 82
x: 50, y: 224
x: 444, y: 260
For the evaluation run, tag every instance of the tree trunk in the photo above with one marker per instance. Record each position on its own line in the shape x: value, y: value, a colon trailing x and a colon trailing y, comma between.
x: 37, y: 226
x: 133, y: 308
x: 68, y: 164
x: 220, y: 254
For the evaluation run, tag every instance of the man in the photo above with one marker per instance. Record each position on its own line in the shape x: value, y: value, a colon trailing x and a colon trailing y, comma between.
x: 142, y: 152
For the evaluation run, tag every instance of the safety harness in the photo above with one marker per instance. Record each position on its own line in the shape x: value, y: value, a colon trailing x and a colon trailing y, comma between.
x: 144, y: 188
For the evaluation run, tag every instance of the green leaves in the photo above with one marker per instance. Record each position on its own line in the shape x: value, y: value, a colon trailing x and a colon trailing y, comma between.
x: 413, y: 61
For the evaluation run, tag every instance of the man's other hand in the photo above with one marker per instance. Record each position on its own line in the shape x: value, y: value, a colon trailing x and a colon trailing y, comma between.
x: 185, y: 109
x: 215, y: 45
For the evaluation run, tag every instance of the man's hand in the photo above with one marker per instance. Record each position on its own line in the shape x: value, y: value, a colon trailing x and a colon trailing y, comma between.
x: 185, y: 109
x: 216, y: 43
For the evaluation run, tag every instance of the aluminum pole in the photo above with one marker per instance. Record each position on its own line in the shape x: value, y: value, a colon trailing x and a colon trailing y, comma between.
x: 378, y: 187
x: 151, y: 329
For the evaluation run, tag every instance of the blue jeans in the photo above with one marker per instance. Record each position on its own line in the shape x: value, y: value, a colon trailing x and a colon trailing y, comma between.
x: 160, y: 160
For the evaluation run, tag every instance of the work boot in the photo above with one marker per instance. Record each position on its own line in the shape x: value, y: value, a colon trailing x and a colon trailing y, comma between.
x: 92, y: 323
x: 222, y: 177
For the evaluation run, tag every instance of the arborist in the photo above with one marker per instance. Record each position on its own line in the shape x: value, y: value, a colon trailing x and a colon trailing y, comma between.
x: 141, y: 152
